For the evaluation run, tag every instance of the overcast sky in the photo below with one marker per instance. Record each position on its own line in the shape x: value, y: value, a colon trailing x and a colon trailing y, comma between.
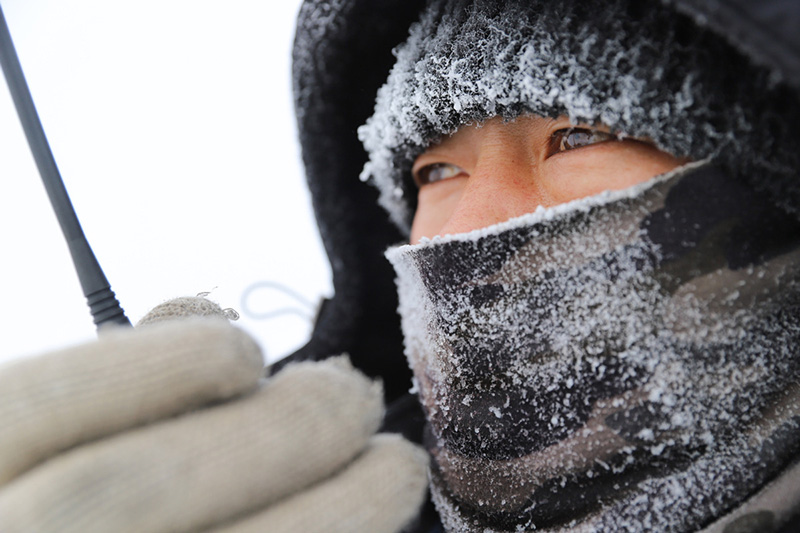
x: 172, y: 125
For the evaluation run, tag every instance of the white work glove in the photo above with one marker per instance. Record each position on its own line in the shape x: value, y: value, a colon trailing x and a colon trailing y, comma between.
x: 170, y: 428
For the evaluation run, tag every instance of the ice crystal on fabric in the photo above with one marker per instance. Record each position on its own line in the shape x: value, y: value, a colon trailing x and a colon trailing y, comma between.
x: 591, y: 356
x: 643, y: 73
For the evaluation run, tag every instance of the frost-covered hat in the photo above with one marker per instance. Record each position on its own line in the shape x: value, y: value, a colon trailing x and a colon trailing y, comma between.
x: 636, y: 67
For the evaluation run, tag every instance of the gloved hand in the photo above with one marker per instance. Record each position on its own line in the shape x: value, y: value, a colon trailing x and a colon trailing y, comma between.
x: 171, y: 428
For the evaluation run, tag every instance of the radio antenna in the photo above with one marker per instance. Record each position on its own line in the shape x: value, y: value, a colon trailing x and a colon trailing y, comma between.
x: 102, y: 303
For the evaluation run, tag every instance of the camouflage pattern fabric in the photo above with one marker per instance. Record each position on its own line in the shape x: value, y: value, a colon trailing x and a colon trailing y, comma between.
x: 627, y: 362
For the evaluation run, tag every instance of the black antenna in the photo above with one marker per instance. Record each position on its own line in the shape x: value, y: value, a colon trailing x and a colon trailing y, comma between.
x: 102, y: 303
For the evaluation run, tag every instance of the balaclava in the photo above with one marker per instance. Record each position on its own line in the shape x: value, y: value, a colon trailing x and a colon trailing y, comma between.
x: 626, y: 362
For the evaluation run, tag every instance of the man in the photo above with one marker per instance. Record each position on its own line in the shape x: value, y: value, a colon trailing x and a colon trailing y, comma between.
x: 586, y: 360
x: 605, y: 341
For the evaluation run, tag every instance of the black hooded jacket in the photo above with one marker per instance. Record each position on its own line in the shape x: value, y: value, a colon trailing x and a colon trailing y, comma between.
x: 342, y: 55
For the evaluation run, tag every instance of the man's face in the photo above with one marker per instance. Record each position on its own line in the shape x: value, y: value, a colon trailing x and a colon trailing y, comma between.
x: 482, y: 175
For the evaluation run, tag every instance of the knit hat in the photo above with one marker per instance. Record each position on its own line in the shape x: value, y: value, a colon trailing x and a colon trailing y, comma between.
x: 638, y: 68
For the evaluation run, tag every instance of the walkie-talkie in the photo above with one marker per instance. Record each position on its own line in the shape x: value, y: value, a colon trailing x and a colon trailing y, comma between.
x: 102, y: 302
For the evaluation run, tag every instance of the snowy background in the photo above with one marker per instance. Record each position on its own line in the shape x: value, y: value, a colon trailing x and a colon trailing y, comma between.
x: 171, y: 122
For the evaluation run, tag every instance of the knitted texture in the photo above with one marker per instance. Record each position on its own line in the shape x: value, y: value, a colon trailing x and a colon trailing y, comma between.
x: 390, y: 470
x: 184, y: 307
x: 205, y: 467
x: 127, y: 378
x: 635, y: 67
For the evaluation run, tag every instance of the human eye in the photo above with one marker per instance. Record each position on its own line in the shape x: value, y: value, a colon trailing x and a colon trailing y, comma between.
x: 436, y: 172
x: 566, y: 139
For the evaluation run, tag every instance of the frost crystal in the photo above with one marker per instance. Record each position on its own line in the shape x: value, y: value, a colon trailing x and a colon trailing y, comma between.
x: 586, y: 361
x: 641, y: 72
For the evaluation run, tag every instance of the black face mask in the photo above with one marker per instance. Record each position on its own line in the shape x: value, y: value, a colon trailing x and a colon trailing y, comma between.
x: 630, y: 360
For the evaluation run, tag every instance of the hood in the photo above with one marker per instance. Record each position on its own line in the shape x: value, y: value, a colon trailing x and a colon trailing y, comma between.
x: 765, y: 31
x: 342, y: 55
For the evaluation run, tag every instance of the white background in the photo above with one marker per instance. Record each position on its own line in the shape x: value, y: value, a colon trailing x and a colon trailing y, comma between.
x: 172, y: 124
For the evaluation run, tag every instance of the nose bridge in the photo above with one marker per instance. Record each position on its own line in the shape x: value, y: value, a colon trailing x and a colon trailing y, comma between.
x: 501, y: 185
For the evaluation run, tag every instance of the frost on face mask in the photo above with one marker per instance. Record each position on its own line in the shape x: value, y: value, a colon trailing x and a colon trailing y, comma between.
x: 627, y: 362
x: 634, y: 67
